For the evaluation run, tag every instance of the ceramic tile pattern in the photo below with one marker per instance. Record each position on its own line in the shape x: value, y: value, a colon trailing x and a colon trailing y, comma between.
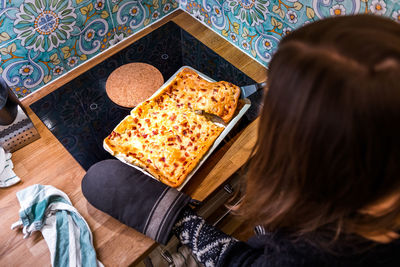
x: 256, y: 26
x: 81, y: 119
x: 40, y: 40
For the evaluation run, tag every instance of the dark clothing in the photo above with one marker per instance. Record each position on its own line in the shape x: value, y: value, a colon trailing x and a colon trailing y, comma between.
x: 214, y: 248
x: 154, y: 208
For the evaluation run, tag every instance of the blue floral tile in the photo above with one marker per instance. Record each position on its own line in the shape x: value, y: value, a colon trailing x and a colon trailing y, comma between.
x: 131, y: 16
x: 288, y: 11
x: 381, y: 7
x: 8, y: 12
x: 257, y: 26
x: 56, y: 35
x: 87, y: 38
x: 42, y: 26
x: 25, y: 70
x: 250, y: 13
x: 349, y: 7
x: 77, y: 30
x: 395, y: 14
x: 247, y: 24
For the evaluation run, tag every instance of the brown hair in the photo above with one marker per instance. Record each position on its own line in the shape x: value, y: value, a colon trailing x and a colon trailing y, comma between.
x: 329, y: 134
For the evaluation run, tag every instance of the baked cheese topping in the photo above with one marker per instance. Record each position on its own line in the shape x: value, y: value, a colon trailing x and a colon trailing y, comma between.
x: 165, y: 136
x: 219, y: 98
x: 166, y: 140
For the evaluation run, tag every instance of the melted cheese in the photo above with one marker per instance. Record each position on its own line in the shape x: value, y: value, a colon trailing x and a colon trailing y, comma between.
x: 219, y: 98
x: 164, y: 137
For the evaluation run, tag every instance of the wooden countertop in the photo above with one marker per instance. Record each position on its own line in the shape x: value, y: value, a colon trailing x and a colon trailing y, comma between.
x: 47, y: 162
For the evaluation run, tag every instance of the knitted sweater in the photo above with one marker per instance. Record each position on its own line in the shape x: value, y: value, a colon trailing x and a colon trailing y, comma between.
x: 214, y: 248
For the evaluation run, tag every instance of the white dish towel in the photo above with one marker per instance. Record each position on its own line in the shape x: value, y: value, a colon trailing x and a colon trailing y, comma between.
x: 7, y: 175
x: 45, y: 208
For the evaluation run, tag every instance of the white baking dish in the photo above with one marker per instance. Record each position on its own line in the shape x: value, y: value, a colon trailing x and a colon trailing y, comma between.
x: 228, y: 128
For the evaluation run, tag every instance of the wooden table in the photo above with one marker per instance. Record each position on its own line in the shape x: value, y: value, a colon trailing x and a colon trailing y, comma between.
x: 47, y: 162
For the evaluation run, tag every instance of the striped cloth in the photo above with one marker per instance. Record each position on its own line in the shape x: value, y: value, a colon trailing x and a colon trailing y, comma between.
x: 7, y: 175
x: 45, y: 208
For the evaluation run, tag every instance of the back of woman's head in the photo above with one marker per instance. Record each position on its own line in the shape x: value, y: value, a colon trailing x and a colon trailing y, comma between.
x: 329, y: 134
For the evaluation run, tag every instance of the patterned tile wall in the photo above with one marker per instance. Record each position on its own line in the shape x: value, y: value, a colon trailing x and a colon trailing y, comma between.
x: 256, y: 26
x: 41, y: 40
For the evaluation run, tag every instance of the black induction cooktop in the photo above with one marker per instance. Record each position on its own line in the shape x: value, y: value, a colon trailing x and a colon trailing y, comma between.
x: 80, y: 114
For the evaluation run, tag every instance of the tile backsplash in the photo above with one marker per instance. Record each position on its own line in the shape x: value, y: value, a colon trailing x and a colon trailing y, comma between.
x: 256, y: 26
x: 40, y: 40
x: 43, y: 39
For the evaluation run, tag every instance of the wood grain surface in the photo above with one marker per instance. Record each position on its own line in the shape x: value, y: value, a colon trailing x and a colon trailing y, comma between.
x: 47, y: 162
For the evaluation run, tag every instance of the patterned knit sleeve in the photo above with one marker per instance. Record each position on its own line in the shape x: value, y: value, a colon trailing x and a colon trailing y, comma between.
x: 207, y: 243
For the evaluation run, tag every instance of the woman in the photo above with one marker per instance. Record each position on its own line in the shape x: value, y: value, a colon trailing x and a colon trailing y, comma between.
x: 324, y: 181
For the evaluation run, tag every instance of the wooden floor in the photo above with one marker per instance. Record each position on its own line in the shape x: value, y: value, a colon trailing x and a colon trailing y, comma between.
x: 47, y: 162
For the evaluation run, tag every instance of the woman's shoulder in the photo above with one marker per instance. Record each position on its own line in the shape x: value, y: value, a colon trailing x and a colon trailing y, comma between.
x: 282, y: 250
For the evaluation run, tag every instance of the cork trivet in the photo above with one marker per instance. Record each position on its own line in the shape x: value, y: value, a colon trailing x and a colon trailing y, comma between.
x: 133, y: 83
